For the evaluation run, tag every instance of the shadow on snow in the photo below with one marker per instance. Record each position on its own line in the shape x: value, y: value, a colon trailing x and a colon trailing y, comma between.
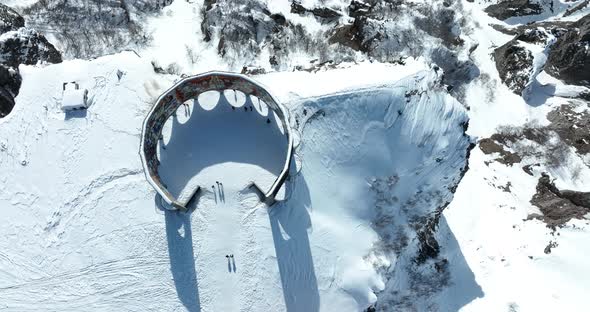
x: 220, y: 135
x: 182, y: 259
x: 289, y: 222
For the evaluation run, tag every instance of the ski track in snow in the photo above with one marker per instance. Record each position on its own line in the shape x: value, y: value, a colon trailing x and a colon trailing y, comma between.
x: 82, y: 231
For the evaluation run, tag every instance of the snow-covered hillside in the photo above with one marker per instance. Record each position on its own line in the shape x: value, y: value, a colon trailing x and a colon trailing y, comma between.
x: 442, y: 158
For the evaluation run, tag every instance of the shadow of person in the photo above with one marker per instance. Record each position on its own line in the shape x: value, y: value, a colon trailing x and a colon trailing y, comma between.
x: 182, y: 259
x: 289, y: 222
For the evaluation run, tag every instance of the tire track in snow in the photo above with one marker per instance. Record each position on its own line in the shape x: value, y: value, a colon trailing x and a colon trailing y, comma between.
x: 108, y: 284
x: 92, y: 192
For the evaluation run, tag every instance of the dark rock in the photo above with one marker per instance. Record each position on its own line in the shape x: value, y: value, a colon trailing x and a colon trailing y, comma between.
x: 549, y: 246
x: 441, y: 26
x: 28, y: 47
x: 532, y: 36
x: 92, y: 28
x: 489, y: 146
x: 326, y: 13
x: 559, y: 207
x: 584, y: 96
x: 19, y: 46
x: 347, y: 35
x: 506, y: 188
x: 10, y: 19
x: 512, y: 8
x: 456, y: 72
x: 297, y: 8
x: 321, y: 12
x: 576, y: 8
x: 514, y: 64
x: 279, y: 19
x: 358, y: 8
x: 209, y: 4
x: 572, y: 127
x: 10, y: 82
x: 428, y: 245
x: 529, y: 169
x: 357, y: 35
x: 569, y: 58
x: 253, y: 70
x: 157, y: 68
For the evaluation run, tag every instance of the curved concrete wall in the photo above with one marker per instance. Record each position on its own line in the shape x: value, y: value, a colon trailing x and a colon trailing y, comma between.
x: 190, y: 88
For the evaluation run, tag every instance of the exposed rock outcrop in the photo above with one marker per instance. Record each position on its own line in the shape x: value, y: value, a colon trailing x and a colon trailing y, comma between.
x: 324, y: 13
x: 510, y: 8
x: 515, y: 65
x: 559, y: 206
x: 358, y: 8
x: 10, y: 19
x: 535, y: 35
x: 569, y: 58
x: 489, y: 146
x: 92, y: 28
x: 28, y: 47
x: 572, y: 127
x: 10, y: 82
x: 19, y: 45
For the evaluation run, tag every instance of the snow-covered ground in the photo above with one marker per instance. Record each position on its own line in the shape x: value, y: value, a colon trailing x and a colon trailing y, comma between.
x: 376, y: 144
x: 85, y: 231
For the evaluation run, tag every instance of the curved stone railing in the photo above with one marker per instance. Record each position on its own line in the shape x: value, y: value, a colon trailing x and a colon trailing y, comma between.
x: 190, y: 88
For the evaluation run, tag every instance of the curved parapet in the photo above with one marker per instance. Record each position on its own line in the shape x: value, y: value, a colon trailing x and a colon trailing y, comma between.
x: 190, y: 88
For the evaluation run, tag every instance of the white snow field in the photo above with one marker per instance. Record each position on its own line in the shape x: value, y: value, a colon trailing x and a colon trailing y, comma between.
x: 84, y: 231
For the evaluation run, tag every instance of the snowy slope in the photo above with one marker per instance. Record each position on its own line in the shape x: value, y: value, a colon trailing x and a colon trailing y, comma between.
x: 380, y: 150
x: 88, y: 227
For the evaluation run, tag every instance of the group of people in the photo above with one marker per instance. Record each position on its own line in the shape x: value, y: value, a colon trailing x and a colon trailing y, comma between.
x: 249, y: 108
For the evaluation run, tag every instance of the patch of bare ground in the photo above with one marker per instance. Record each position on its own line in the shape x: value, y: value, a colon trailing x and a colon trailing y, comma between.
x: 489, y: 146
x: 572, y: 127
x: 549, y: 144
x: 558, y: 206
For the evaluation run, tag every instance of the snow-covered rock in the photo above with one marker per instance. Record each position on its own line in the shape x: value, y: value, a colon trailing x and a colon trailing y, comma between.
x: 515, y: 65
x: 10, y: 19
x: 513, y: 8
x: 10, y: 82
x: 569, y: 58
x: 26, y: 46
